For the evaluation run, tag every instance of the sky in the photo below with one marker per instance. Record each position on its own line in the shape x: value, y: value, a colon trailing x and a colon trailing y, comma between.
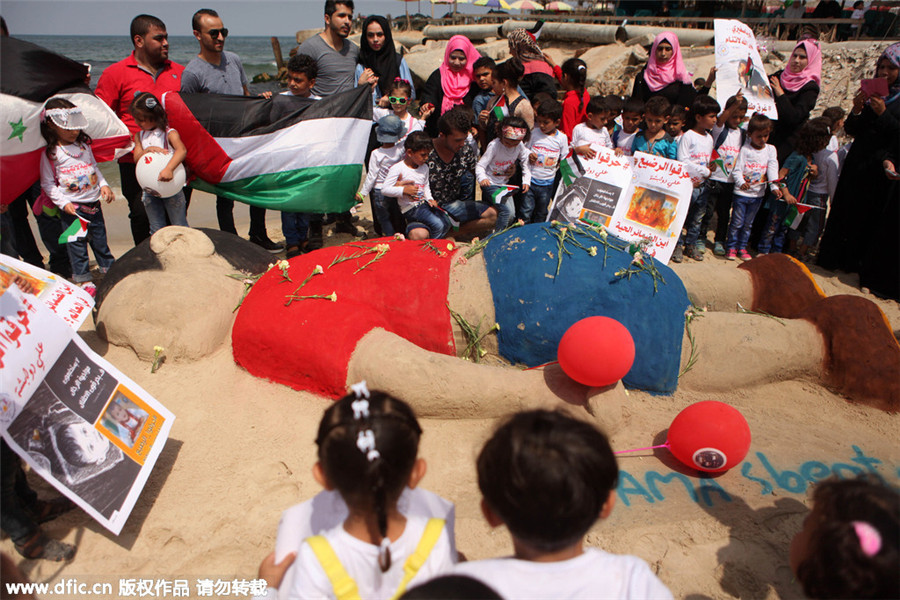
x: 242, y: 17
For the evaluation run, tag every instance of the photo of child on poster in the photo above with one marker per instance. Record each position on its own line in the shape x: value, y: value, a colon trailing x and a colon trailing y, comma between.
x: 652, y: 209
x: 124, y: 419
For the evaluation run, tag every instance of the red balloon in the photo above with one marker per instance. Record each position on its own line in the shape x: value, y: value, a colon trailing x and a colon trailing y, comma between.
x: 710, y: 436
x: 596, y: 351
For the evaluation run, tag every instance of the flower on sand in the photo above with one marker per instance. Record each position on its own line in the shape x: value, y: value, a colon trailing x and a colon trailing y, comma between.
x: 158, y: 349
x: 603, y: 233
x: 592, y: 250
x: 318, y: 270
x: 382, y: 247
x: 450, y: 246
x: 283, y: 264
x: 332, y: 297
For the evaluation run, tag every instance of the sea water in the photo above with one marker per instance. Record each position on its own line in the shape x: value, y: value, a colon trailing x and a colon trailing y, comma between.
x: 100, y: 51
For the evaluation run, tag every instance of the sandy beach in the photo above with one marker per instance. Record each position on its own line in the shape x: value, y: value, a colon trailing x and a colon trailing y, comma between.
x: 241, y: 451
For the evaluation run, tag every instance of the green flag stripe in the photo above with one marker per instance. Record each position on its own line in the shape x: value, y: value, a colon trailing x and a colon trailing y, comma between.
x: 313, y: 189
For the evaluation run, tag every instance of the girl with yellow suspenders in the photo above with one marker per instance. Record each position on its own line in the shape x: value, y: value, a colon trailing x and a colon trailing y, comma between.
x: 368, y: 445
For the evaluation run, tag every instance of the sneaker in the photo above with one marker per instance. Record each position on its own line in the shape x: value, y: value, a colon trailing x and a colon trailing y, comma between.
x: 731, y: 255
x: 90, y: 288
x: 266, y: 244
x: 678, y: 255
x: 719, y: 250
x: 744, y: 255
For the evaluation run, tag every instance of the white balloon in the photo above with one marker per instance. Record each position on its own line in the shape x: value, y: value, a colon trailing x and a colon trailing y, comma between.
x: 147, y: 173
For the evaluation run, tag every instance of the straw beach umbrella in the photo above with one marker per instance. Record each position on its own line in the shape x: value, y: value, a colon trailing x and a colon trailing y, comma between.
x: 524, y: 5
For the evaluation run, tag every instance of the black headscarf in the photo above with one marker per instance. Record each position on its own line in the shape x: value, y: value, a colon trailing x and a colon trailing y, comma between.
x: 385, y: 62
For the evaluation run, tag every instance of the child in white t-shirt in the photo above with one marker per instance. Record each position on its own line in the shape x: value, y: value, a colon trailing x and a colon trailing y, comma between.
x: 548, y: 146
x: 367, y: 450
x: 694, y: 150
x: 623, y: 137
x: 548, y: 477
x: 592, y: 130
x: 408, y: 182
x: 729, y: 138
x: 389, y: 131
x: 397, y: 100
x: 756, y: 165
x: 498, y: 164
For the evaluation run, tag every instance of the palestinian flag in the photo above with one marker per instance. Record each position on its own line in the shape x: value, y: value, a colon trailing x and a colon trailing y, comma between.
x: 31, y: 76
x: 75, y: 231
x: 284, y: 153
x: 500, y: 109
x: 502, y: 192
x: 747, y: 68
x: 795, y: 214
x: 569, y: 170
x: 718, y: 161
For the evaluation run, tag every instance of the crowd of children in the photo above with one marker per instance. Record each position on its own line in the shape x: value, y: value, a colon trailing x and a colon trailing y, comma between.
x: 548, y: 478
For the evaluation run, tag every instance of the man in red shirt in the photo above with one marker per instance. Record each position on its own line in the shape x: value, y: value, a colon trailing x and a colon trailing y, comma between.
x: 148, y: 69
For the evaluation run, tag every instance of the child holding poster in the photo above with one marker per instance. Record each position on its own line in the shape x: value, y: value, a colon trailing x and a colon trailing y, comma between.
x: 653, y: 138
x: 729, y: 138
x: 694, y: 150
x: 756, y: 163
x: 593, y: 130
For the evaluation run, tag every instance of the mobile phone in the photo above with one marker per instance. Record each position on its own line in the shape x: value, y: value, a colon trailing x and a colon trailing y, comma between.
x: 875, y: 87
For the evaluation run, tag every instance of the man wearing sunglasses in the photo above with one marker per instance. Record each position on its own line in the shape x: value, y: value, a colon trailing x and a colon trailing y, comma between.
x: 147, y: 69
x: 218, y: 71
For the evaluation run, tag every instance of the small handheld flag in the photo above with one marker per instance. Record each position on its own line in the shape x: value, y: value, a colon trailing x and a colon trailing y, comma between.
x: 500, y: 110
x: 501, y: 192
x: 75, y: 231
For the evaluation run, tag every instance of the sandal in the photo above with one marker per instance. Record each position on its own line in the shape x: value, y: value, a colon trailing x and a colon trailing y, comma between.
x: 47, y: 510
x: 41, y: 546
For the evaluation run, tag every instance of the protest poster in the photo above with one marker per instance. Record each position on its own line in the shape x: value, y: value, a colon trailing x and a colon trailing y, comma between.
x: 89, y: 430
x: 593, y: 195
x: 739, y: 68
x: 654, y: 207
x: 68, y: 301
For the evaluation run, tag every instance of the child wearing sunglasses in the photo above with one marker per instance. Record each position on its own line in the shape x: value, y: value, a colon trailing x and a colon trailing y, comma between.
x: 397, y: 103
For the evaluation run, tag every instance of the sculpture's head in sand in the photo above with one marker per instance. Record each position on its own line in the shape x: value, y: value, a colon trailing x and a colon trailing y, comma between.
x: 175, y: 291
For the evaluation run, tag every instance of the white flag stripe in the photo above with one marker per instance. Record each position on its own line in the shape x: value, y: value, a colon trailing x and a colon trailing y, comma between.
x: 313, y: 143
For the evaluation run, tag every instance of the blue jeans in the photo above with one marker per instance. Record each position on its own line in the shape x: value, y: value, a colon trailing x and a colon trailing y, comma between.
x: 465, y: 211
x: 96, y: 235
x: 467, y: 186
x: 431, y: 218
x: 506, y: 209
x: 295, y: 227
x: 774, y: 231
x: 695, y: 216
x: 743, y: 211
x: 533, y: 208
x: 157, y: 208
x: 385, y: 211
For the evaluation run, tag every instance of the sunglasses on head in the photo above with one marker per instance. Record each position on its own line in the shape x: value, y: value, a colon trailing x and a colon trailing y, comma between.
x: 396, y: 100
x: 214, y: 33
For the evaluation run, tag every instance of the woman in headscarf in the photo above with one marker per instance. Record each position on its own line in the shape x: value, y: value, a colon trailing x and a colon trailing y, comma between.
x: 377, y: 52
x: 665, y: 74
x: 538, y: 72
x: 452, y: 83
x: 796, y: 89
x: 863, y: 230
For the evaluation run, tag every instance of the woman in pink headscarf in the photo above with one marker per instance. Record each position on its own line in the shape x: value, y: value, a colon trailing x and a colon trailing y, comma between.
x: 665, y: 74
x: 796, y: 90
x: 452, y: 83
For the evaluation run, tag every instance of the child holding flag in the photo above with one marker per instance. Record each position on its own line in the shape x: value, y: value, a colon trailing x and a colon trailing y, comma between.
x: 498, y: 164
x: 70, y: 177
x: 729, y: 138
x: 795, y: 175
x: 549, y: 146
x: 756, y: 163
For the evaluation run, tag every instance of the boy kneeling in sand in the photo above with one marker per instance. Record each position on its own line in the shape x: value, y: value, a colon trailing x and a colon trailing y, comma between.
x: 548, y: 477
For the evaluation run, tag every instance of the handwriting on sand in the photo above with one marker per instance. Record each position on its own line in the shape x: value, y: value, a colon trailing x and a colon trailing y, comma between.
x: 653, y: 487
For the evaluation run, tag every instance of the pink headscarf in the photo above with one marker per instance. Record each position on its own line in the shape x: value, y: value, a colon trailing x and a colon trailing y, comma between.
x: 457, y: 84
x: 813, y: 71
x: 659, y: 75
